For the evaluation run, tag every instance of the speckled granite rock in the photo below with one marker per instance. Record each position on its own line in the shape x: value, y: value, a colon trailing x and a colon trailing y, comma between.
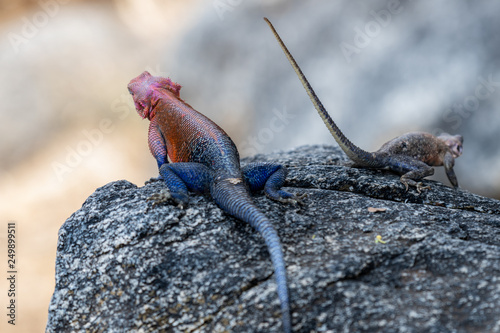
x: 121, y: 269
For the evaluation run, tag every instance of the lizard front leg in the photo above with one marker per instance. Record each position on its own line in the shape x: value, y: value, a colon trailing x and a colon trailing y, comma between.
x: 411, y: 169
x: 449, y: 162
x: 269, y: 177
x: 157, y: 147
x: 181, y: 177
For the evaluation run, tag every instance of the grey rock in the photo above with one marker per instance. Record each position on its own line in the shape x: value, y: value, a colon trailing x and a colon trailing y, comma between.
x: 123, y: 266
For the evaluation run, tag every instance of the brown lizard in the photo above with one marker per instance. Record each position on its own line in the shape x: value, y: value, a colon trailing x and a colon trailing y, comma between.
x: 411, y: 155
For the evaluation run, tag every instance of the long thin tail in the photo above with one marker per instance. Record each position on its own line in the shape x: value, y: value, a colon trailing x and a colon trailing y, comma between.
x: 234, y: 199
x: 355, y: 153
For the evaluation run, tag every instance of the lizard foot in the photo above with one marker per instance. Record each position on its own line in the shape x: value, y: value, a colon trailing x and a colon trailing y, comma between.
x: 421, y: 187
x: 285, y: 197
x: 297, y: 199
x: 165, y: 196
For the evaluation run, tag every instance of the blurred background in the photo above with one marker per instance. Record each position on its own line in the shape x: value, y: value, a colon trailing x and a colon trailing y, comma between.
x: 68, y: 126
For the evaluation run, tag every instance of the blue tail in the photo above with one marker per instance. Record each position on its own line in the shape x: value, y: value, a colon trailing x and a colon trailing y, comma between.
x: 235, y: 200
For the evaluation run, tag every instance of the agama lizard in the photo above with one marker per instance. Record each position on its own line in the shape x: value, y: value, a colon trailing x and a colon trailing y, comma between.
x: 205, y: 160
x: 411, y: 155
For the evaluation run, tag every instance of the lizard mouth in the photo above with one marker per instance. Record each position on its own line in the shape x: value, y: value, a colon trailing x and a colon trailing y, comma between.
x: 141, y: 108
x: 457, y: 151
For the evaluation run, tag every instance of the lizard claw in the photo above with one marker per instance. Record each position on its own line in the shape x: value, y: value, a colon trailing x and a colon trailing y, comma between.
x: 285, y: 197
x: 421, y: 187
x: 297, y: 199
x: 163, y: 197
x: 406, y: 186
x: 159, y: 198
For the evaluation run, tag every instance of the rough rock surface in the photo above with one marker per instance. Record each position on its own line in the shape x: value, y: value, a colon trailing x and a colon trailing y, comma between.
x: 120, y: 268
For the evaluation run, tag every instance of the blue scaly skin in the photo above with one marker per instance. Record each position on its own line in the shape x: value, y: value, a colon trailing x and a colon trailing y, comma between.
x: 205, y: 160
x: 411, y: 155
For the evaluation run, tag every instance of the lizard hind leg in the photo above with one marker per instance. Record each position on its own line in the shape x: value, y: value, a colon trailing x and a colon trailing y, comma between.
x: 410, y: 178
x: 181, y: 177
x: 269, y: 177
x: 411, y: 169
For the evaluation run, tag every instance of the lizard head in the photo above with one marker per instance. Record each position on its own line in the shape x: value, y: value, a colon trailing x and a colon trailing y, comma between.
x: 145, y: 90
x: 454, y: 142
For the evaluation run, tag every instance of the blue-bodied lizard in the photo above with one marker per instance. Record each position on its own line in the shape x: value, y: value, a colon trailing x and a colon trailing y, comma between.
x: 204, y: 159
